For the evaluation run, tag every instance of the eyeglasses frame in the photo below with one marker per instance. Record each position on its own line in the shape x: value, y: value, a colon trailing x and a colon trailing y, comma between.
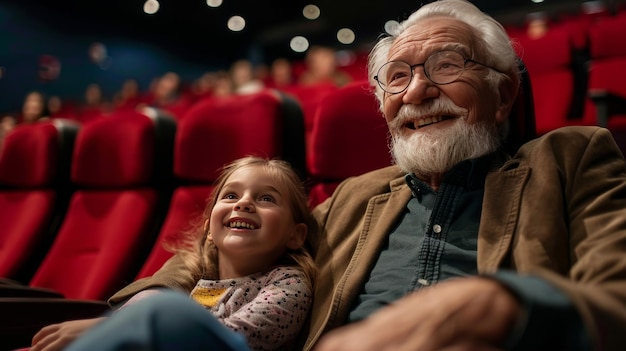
x: 412, y: 69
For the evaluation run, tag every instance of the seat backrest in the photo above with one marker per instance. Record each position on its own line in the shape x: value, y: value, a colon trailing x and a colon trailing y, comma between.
x: 605, y: 37
x: 219, y: 130
x: 550, y: 62
x: 607, y: 73
x: 112, y: 217
x: 309, y: 97
x: 522, y: 116
x: 34, y: 189
x: 608, y: 56
x: 349, y: 137
x: 213, y: 133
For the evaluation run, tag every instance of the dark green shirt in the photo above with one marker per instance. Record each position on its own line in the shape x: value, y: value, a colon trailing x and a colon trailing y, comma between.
x: 435, y: 238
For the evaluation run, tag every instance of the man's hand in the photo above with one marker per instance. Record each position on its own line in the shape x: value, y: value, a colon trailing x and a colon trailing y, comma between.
x: 459, y: 314
x: 56, y: 337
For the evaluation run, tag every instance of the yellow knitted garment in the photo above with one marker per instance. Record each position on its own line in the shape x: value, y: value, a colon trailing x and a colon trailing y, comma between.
x: 208, y: 297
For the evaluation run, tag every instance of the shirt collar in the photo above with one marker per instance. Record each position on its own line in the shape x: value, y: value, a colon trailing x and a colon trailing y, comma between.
x: 470, y: 174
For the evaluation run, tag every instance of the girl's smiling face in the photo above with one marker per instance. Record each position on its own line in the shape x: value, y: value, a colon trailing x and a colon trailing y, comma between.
x: 252, y: 224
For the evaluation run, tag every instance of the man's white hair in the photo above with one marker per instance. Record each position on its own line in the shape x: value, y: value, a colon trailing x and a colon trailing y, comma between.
x: 499, y: 54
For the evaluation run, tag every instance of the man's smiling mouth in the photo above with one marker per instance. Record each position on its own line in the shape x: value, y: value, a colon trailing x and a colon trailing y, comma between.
x: 425, y: 121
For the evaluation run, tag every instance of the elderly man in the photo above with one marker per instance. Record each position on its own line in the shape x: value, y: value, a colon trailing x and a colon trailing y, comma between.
x: 459, y: 246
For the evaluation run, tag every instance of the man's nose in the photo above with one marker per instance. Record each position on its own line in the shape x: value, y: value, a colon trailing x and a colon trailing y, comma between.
x: 420, y: 88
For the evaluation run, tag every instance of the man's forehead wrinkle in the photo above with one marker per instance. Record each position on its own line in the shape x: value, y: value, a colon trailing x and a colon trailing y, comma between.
x: 421, y: 39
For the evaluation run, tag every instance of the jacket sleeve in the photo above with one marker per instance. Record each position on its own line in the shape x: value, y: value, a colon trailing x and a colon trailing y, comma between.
x: 172, y: 275
x: 592, y: 174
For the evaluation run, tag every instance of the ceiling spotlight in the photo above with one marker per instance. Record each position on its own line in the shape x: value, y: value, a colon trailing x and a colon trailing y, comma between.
x: 299, y: 44
x: 311, y: 12
x: 151, y: 7
x: 214, y: 3
x: 236, y: 23
x: 391, y: 26
x: 345, y: 36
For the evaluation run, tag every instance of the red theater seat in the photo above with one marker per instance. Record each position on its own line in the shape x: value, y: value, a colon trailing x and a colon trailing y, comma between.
x: 549, y: 60
x: 34, y: 188
x: 111, y: 215
x: 309, y: 97
x: 349, y: 137
x: 119, y: 165
x: 607, y: 70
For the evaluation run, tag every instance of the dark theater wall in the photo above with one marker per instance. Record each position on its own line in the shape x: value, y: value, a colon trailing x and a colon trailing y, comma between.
x: 27, y: 46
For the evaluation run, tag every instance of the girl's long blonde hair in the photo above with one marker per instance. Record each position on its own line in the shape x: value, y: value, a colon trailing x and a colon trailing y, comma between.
x: 200, y: 254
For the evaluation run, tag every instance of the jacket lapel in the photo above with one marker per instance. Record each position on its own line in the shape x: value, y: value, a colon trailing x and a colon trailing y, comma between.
x: 381, y: 214
x: 500, y: 215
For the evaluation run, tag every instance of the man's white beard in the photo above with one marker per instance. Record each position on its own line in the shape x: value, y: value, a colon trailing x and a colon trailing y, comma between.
x: 437, y: 150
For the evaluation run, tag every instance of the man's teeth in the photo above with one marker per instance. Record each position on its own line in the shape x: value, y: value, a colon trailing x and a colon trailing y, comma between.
x: 428, y: 120
x: 239, y: 224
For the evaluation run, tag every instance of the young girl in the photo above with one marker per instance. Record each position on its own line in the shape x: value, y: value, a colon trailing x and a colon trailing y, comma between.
x: 250, y: 255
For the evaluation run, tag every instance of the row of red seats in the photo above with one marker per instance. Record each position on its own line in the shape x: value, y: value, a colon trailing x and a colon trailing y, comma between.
x: 576, y: 66
x: 80, y: 217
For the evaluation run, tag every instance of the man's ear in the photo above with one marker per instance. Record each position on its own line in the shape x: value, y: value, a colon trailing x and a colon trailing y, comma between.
x: 297, y: 238
x: 508, y: 89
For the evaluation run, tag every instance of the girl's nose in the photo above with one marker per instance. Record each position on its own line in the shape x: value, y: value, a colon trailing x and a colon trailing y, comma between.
x: 244, y: 205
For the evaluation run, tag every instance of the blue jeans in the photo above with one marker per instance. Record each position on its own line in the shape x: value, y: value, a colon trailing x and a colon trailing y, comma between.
x: 165, y: 322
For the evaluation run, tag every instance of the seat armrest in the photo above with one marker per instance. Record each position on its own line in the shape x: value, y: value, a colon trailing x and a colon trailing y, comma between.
x: 607, y: 103
x: 23, y: 317
x: 20, y: 290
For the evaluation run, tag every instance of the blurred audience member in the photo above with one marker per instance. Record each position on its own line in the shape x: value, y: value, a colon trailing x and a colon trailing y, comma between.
x: 537, y: 26
x: 7, y: 123
x: 281, y: 74
x: 168, y: 95
x: 129, y: 95
x: 34, y: 108
x: 224, y: 85
x: 94, y: 105
x: 321, y: 67
x: 244, y: 79
x: 60, y: 109
x: 203, y: 86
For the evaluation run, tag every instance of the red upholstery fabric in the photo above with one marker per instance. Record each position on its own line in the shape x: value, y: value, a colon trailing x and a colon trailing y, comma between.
x: 29, y: 155
x: 349, y: 137
x: 115, y: 151
x: 606, y: 37
x: 24, y: 216
x: 217, y: 131
x: 107, y: 226
x: 549, y: 62
x: 607, y: 68
x: 608, y: 57
x: 186, y: 206
x: 309, y: 97
x: 94, y: 252
x: 31, y: 164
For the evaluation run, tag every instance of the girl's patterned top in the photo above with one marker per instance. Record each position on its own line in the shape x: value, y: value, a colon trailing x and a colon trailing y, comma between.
x: 268, y: 308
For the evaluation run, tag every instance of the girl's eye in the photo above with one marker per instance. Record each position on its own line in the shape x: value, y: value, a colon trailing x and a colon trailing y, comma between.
x: 230, y: 196
x: 267, y: 198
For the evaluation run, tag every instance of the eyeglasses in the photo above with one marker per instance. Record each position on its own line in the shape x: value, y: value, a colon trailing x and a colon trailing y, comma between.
x: 441, y: 67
